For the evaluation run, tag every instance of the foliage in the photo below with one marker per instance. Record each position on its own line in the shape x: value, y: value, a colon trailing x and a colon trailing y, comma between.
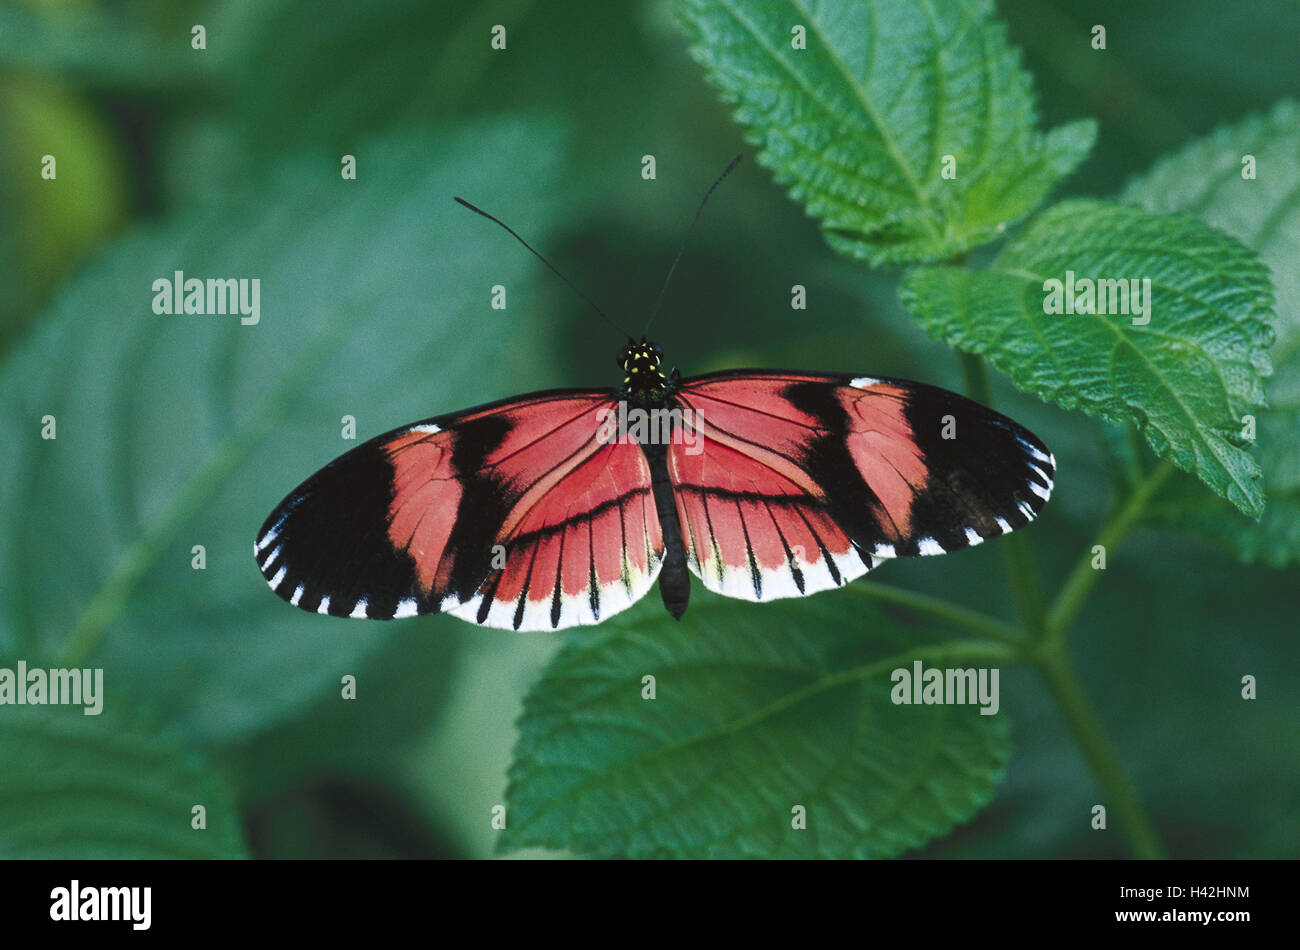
x: 1185, y: 379
x: 1205, y: 179
x: 1119, y: 686
x: 805, y: 720
x: 108, y: 786
x: 859, y: 116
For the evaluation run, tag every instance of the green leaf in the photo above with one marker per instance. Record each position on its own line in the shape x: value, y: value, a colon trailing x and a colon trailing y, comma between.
x: 1185, y: 379
x: 113, y: 785
x: 1205, y: 179
x: 859, y: 122
x: 401, y: 688
x: 758, y: 709
x: 1275, y: 538
x: 176, y: 431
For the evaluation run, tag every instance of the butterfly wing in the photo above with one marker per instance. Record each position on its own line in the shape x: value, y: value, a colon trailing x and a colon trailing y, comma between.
x: 515, y: 515
x: 791, y: 483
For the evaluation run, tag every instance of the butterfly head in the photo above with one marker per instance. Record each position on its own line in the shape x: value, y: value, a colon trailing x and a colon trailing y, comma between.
x: 643, y: 371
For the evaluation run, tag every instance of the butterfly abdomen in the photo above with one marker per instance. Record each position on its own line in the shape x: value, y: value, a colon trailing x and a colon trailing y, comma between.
x: 674, y: 578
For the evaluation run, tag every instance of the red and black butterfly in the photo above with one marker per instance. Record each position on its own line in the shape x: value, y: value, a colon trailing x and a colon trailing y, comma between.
x: 563, y: 507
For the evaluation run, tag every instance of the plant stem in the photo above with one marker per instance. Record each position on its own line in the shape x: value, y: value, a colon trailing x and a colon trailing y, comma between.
x: 1080, y: 583
x: 1081, y: 719
x: 1135, y: 453
x: 1048, y: 629
x: 972, y: 620
x: 1053, y: 663
x: 976, y: 375
x: 1025, y: 587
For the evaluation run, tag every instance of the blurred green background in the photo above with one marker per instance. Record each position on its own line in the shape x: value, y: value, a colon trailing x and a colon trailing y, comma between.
x: 180, y: 431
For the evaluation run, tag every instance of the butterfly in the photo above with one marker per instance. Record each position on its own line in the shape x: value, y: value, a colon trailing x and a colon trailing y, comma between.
x: 561, y: 508
x: 564, y: 507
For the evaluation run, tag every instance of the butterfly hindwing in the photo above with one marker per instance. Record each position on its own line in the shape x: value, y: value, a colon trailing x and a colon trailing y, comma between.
x: 790, y: 483
x: 511, y: 515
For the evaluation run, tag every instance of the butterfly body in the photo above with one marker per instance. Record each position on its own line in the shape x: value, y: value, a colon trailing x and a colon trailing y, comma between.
x: 647, y: 387
x: 561, y: 508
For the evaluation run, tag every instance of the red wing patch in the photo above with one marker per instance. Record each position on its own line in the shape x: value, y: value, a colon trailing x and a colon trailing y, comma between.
x: 885, y: 453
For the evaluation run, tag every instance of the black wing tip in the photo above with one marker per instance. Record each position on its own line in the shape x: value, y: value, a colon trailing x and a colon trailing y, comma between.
x: 299, y: 592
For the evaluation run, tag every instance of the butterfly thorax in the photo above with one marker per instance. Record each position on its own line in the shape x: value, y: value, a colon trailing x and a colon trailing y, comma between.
x: 645, y: 384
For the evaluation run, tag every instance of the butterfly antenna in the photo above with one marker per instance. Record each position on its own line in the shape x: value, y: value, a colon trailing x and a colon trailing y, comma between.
x: 553, y: 268
x: 725, y: 172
